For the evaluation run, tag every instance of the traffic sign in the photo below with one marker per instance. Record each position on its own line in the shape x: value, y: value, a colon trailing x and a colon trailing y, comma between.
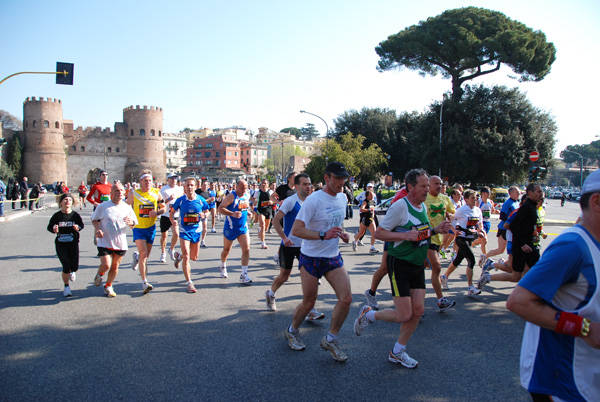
x: 534, y: 156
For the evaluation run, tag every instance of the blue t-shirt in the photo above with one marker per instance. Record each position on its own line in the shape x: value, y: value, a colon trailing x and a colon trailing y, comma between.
x: 290, y: 207
x: 189, y: 216
x: 508, y: 206
x: 214, y: 203
x: 237, y: 225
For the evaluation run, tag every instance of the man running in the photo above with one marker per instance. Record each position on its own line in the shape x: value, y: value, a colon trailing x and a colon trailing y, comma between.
x: 110, y: 220
x: 82, y: 190
x: 100, y: 191
x: 487, y: 209
x: 407, y: 229
x: 212, y: 191
x: 290, y: 244
x: 319, y: 224
x: 169, y: 192
x: 262, y: 200
x: 509, y: 205
x: 205, y: 193
x: 147, y: 204
x: 193, y: 209
x: 235, y: 209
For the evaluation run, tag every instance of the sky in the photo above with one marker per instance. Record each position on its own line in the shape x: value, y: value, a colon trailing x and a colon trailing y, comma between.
x: 257, y: 64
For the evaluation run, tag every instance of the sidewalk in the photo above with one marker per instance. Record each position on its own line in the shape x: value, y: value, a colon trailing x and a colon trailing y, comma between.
x: 12, y: 214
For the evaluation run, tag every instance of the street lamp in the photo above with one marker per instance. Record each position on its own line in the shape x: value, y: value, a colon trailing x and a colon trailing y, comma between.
x: 326, y: 134
x: 580, y: 167
x: 441, y: 124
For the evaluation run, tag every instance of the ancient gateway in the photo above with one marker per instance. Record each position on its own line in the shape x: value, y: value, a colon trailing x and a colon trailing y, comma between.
x: 55, y: 151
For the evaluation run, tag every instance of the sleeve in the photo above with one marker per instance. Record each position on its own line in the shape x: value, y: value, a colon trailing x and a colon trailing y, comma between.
x: 131, y: 214
x: 92, y: 191
x: 516, y: 226
x: 504, y: 211
x: 306, y: 212
x: 205, y: 206
x: 53, y: 221
x: 397, y: 215
x: 96, y: 215
x: 79, y: 221
x: 285, y: 205
x: 176, y: 204
x: 450, y: 205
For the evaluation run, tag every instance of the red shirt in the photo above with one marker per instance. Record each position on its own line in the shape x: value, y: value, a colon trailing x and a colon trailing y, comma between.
x: 99, y: 193
x: 400, y: 194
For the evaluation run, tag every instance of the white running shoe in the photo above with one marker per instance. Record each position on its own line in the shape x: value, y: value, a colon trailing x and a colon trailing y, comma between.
x: 334, y: 348
x: 136, y: 260
x: 489, y: 264
x: 484, y: 280
x: 163, y: 258
x: 373, y: 250
x: 472, y: 291
x: 294, y: 341
x: 202, y: 245
x: 245, y: 279
x: 360, y: 243
x: 403, y: 358
x: 271, y: 306
x: 276, y: 259
x: 172, y: 253
x: 213, y: 230
x: 353, y: 245
x: 361, y: 321
x: 223, y: 271
x: 191, y: 288
x: 314, y: 315
x: 73, y: 276
x: 177, y: 260
x: 264, y: 246
x: 98, y: 279
x: 444, y: 282
x: 67, y: 291
x: 481, y: 260
x: 110, y: 292
x: 146, y: 287
x: 371, y: 300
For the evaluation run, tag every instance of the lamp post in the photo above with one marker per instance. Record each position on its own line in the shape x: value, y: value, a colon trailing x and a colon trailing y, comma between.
x: 580, y: 167
x: 441, y: 124
x: 326, y: 134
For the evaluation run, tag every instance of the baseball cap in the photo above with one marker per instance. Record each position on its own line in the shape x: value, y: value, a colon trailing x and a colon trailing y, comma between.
x: 592, y: 183
x: 337, y: 169
x: 370, y: 185
x: 172, y: 176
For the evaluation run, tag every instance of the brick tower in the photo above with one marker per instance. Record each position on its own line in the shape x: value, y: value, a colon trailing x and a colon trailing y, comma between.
x: 144, y: 142
x: 44, y: 157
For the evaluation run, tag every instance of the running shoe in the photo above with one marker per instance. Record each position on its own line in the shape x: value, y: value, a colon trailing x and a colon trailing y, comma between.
x: 334, y: 348
x: 276, y: 259
x: 203, y: 245
x: 354, y: 245
x: 264, y: 246
x: 444, y: 282
x: 67, y: 291
x: 191, y: 288
x: 489, y: 264
x: 98, y: 279
x: 110, y: 292
x: 245, y: 279
x: 163, y: 258
x: 314, y: 315
x: 177, y: 259
x: 373, y: 250
x: 500, y: 261
x: 452, y: 255
x: 371, y: 300
x: 445, y: 304
x: 294, y: 341
x: 271, y: 306
x: 136, y: 260
x: 403, y: 358
x: 361, y: 321
x: 213, y: 230
x: 223, y: 272
x: 73, y: 276
x: 360, y: 243
x: 172, y: 253
x: 443, y: 254
x: 484, y: 280
x: 146, y: 287
x: 481, y: 260
x: 472, y: 291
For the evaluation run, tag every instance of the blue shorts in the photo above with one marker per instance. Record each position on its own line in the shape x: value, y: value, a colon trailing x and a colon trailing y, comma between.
x: 487, y: 226
x: 319, y: 266
x: 232, y: 234
x: 145, y: 234
x: 191, y: 236
x: 509, y: 247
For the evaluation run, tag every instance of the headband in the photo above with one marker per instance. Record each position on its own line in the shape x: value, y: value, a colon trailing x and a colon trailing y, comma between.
x: 145, y: 175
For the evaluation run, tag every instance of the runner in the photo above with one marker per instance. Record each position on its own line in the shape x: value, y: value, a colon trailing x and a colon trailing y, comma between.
x: 169, y: 192
x: 66, y: 224
x: 204, y: 193
x: 407, y: 229
x: 439, y: 209
x: 468, y: 226
x: 110, y: 221
x: 100, y: 191
x: 487, y: 209
x: 367, y: 220
x: 284, y: 190
x: 290, y: 244
x: 82, y: 190
x: 509, y: 205
x: 235, y: 209
x: 147, y: 204
x: 212, y: 191
x: 262, y: 200
x: 319, y: 224
x: 193, y: 210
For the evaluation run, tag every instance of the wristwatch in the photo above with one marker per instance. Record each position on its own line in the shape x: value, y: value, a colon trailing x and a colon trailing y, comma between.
x: 322, y: 234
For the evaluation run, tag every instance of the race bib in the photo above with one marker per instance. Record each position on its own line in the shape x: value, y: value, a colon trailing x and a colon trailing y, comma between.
x: 243, y: 205
x: 264, y: 204
x: 104, y: 197
x: 472, y: 221
x: 190, y: 219
x: 145, y: 210
x: 423, y: 235
x: 486, y: 214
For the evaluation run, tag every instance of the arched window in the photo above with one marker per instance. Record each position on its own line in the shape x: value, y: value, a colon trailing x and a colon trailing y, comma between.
x: 56, y: 124
x: 152, y: 133
x: 142, y: 132
x: 74, y: 148
x: 159, y: 133
x: 117, y: 149
x: 109, y: 149
x: 46, y: 124
x: 132, y: 132
x: 82, y: 148
x: 34, y: 124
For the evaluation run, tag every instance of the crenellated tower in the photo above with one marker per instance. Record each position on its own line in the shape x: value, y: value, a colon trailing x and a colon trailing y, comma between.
x: 44, y: 157
x: 145, y: 148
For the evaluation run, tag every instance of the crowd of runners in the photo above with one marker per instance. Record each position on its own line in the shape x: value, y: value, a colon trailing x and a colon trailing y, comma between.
x: 417, y: 231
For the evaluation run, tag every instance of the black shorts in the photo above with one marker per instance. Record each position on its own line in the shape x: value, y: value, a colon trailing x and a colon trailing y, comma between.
x: 267, y: 213
x: 287, y: 255
x: 102, y: 251
x: 521, y: 258
x: 434, y: 247
x: 501, y: 233
x: 404, y: 276
x: 165, y: 224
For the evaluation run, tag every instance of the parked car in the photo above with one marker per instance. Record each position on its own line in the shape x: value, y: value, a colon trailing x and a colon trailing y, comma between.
x: 556, y: 195
x: 383, y: 206
x: 574, y: 195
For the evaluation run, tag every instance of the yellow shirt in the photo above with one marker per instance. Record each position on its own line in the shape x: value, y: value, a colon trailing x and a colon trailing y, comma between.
x: 437, y: 207
x: 143, y: 203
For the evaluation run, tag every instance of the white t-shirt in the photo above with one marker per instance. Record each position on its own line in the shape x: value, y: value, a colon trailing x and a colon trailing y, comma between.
x: 362, y: 196
x: 468, y: 218
x: 321, y: 212
x: 112, y: 224
x: 165, y: 192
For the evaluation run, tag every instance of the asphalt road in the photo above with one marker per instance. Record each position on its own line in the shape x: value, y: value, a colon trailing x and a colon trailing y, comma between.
x: 221, y: 344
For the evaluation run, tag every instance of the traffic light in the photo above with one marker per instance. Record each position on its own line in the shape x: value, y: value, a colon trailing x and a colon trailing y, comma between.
x: 64, y: 74
x: 533, y: 174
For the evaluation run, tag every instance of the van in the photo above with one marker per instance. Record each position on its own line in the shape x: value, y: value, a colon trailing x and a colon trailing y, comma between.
x: 499, y: 195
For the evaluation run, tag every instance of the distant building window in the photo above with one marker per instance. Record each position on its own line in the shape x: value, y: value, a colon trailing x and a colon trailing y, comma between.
x: 217, y: 154
x: 255, y: 152
x: 152, y: 133
x: 236, y: 154
x: 34, y: 123
x: 46, y: 124
x: 74, y: 148
x: 109, y: 149
x: 56, y: 125
x: 159, y: 133
x: 117, y: 149
x: 142, y: 132
x: 229, y: 153
x: 82, y: 149
x: 207, y: 154
x: 132, y: 132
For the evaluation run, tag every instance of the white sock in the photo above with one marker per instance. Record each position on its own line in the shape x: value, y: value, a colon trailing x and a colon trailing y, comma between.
x: 398, y: 348
x: 371, y: 316
x: 223, y: 265
x: 244, y: 269
x: 331, y: 337
x: 271, y: 293
x: 292, y: 330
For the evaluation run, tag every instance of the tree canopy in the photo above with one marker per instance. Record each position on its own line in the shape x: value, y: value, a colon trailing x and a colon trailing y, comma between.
x: 10, y: 122
x: 465, y: 43
x: 590, y: 153
x: 292, y: 130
